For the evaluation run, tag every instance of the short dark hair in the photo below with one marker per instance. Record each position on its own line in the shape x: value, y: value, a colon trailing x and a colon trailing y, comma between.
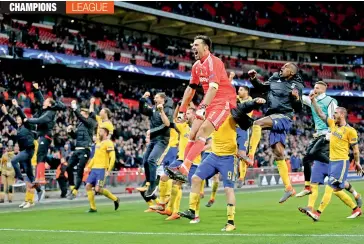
x: 320, y: 82
x: 206, y: 40
x: 246, y: 88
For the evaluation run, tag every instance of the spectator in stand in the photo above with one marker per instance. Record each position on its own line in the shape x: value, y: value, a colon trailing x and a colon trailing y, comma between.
x: 296, y: 162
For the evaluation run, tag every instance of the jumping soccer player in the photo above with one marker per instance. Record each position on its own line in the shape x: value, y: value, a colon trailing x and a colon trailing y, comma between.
x: 222, y: 160
x: 26, y: 141
x: 45, y: 121
x: 219, y: 98
x: 83, y: 135
x: 319, y: 147
x: 343, y: 136
x: 101, y: 165
x: 284, y: 98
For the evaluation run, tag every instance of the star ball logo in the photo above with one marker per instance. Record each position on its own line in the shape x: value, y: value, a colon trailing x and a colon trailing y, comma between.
x: 58, y: 7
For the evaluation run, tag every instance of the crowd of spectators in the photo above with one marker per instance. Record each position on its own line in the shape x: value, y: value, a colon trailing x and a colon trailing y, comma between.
x: 329, y: 20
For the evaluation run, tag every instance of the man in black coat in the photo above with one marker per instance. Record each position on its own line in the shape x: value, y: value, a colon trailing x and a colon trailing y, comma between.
x: 45, y: 119
x: 160, y: 117
x: 83, y: 135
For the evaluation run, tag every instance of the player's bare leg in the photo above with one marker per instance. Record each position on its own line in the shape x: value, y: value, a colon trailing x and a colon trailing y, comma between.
x: 258, y: 125
x: 231, y: 202
x: 356, y: 195
x: 278, y: 151
x: 196, y: 148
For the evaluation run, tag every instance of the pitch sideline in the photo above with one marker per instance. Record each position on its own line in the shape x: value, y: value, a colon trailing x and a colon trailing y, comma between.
x: 180, y: 234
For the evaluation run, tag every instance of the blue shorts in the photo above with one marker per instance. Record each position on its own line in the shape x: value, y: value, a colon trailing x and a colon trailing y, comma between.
x: 177, y: 163
x: 281, y: 125
x: 242, y: 139
x: 170, y: 156
x: 204, y: 156
x: 319, y: 172
x: 96, y: 177
x: 214, y: 164
x: 338, y: 173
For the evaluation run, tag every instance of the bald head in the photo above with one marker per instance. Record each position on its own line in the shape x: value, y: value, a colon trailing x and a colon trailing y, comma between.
x: 288, y: 70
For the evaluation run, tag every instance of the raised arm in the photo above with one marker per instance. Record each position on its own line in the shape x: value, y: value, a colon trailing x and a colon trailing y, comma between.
x: 88, y: 123
x: 318, y: 110
x: 262, y: 87
x: 38, y: 94
x: 8, y: 117
x: 143, y: 105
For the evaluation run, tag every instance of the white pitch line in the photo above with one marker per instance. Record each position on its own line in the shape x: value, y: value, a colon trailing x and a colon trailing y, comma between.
x: 181, y: 234
x: 79, y: 204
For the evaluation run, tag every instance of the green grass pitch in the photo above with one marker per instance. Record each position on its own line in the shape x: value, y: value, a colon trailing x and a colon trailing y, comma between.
x: 259, y: 219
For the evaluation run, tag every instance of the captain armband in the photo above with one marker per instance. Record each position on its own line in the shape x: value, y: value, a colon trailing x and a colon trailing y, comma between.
x: 214, y: 85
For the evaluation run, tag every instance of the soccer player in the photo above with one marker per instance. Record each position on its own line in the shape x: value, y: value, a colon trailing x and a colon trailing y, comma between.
x: 174, y: 203
x: 243, y: 135
x: 103, y: 119
x: 319, y: 147
x: 284, y: 98
x: 101, y: 165
x: 7, y: 174
x: 343, y: 136
x: 160, y: 120
x: 45, y: 121
x: 83, y: 135
x: 221, y: 160
x: 220, y: 97
x: 26, y: 141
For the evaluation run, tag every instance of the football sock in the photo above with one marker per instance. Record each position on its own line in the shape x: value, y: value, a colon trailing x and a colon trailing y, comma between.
x: 242, y: 169
x: 162, y: 191
x: 283, y: 172
x: 197, y: 212
x: 169, y: 187
x: 195, y: 150
x: 188, y: 147
x: 215, y: 186
x: 202, y: 189
x: 313, y: 196
x: 345, y: 198
x: 177, y: 202
x: 255, y: 139
x: 108, y: 194
x: 325, y: 199
x: 194, y: 197
x: 307, y: 183
x: 172, y: 200
x: 230, y: 213
x: 91, y: 199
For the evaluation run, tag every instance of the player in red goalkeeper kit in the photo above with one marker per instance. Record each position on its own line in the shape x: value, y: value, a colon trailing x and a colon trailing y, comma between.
x: 219, y: 99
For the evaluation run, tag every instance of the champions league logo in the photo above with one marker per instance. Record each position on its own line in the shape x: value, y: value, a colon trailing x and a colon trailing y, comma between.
x: 347, y: 94
x: 168, y: 73
x: 91, y: 63
x: 48, y: 57
x: 3, y: 51
x: 131, y: 68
